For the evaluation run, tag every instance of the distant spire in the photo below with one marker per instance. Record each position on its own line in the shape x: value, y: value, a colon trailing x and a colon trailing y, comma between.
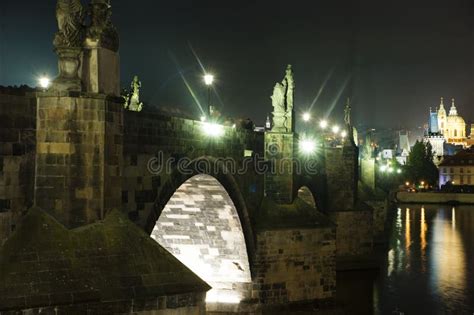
x: 441, y: 105
x: 453, y: 111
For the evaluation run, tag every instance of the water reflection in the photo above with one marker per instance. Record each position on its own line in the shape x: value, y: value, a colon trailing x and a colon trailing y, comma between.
x: 448, y: 260
x: 428, y: 267
x: 423, y: 229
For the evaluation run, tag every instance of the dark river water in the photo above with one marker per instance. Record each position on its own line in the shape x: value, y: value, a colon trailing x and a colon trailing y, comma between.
x: 428, y: 267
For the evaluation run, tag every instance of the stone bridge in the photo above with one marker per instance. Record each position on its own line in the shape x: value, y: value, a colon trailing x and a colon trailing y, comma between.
x: 106, y: 210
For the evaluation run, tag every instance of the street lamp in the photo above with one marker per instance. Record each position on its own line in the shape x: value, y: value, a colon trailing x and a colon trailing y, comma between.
x: 306, y: 117
x: 335, y: 129
x: 344, y: 134
x: 323, y: 124
x: 208, y: 80
x: 307, y: 146
x: 44, y: 82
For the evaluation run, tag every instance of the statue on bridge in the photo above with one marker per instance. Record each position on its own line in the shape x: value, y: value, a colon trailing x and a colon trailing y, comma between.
x: 347, y: 112
x: 70, y: 16
x: 68, y: 44
x: 132, y: 99
x: 282, y: 101
x: 101, y: 27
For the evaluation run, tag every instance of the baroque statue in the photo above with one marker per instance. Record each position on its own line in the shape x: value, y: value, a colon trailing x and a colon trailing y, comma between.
x: 347, y: 112
x: 68, y: 44
x: 70, y: 16
x: 132, y: 99
x: 101, y: 28
x: 282, y: 101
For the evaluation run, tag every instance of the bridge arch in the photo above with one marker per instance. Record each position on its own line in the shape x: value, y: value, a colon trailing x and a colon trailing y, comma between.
x: 200, y: 216
x: 313, y: 191
x: 305, y: 194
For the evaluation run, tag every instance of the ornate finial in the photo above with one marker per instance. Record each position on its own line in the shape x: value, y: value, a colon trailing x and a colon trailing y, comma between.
x: 453, y: 100
x: 442, y: 101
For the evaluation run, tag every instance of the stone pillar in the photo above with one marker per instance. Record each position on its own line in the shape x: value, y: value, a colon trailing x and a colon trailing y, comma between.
x: 100, y: 69
x: 280, y: 178
x: 78, y: 156
x: 367, y: 172
x: 342, y: 176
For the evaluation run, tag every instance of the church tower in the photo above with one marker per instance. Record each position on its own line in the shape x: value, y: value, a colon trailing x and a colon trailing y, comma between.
x: 442, y: 119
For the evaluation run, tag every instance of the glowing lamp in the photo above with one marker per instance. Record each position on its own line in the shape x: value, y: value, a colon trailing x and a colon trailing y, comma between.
x: 203, y: 118
x: 323, y: 124
x: 208, y: 79
x: 344, y: 134
x: 307, y: 146
x: 213, y: 130
x: 306, y: 117
x: 44, y: 82
x: 335, y: 129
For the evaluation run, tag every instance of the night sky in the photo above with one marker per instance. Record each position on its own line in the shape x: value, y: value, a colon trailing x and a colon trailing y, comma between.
x: 394, y: 58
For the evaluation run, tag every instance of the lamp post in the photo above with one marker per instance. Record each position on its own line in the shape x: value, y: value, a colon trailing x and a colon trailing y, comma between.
x: 208, y: 80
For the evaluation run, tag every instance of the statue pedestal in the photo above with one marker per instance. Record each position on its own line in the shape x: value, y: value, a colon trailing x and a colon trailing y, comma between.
x: 68, y: 79
x: 78, y: 156
x: 100, y: 69
x: 280, y: 178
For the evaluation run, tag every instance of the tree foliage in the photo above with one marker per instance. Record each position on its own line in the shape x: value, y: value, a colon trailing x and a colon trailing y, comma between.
x: 420, y: 166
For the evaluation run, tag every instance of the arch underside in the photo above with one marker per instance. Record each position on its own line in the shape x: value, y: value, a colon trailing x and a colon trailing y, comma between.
x: 305, y: 194
x: 200, y: 226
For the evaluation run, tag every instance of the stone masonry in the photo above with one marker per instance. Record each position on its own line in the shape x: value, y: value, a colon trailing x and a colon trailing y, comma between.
x: 17, y: 156
x: 78, y: 157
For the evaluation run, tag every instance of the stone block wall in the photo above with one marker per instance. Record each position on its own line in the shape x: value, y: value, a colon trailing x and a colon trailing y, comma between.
x: 17, y: 156
x: 78, y: 157
x: 354, y: 235
x: 280, y: 180
x: 295, y: 265
x: 367, y: 172
x: 149, y: 135
x: 380, y: 219
x: 342, y: 177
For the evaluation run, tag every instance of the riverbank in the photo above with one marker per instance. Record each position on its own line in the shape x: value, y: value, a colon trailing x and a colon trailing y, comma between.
x: 434, y: 198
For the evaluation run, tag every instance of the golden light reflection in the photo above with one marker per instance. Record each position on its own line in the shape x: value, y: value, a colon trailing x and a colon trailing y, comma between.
x: 453, y: 218
x: 407, y: 230
x: 423, y: 230
x: 448, y: 260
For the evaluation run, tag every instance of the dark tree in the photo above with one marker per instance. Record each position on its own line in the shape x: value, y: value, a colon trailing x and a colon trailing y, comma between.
x: 420, y: 165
